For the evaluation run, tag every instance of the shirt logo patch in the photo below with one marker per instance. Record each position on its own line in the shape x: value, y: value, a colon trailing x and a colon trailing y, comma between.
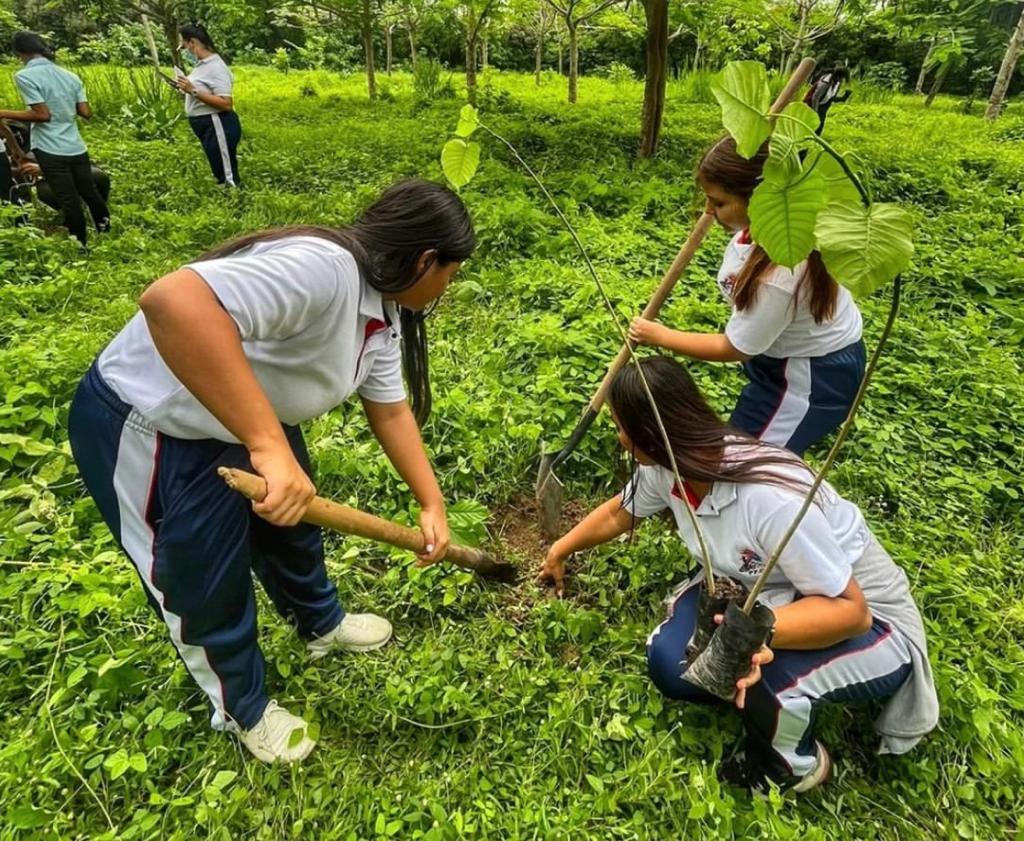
x: 727, y: 283
x: 750, y: 562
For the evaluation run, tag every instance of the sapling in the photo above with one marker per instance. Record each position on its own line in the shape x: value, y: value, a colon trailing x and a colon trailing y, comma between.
x: 803, y: 203
x: 460, y: 158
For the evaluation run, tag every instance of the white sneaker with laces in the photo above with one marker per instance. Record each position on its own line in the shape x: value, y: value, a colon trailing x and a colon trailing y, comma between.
x: 270, y: 739
x: 816, y: 776
x: 356, y: 632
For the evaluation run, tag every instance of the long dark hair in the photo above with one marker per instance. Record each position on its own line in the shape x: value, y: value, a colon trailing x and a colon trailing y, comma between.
x: 724, y: 166
x: 387, y: 240
x: 197, y: 32
x: 698, y: 436
x: 31, y: 43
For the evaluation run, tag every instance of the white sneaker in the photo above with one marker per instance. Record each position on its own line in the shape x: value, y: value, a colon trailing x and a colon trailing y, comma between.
x: 816, y: 776
x: 270, y: 739
x: 356, y: 632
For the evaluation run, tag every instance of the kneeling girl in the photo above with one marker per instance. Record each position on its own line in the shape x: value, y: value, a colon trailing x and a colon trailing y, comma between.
x: 846, y: 627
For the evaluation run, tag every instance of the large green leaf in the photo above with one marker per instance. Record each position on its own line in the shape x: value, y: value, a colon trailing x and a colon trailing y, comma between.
x: 783, y: 212
x: 742, y: 91
x: 469, y: 121
x: 459, y: 161
x: 864, y: 247
x: 838, y: 185
x: 789, y: 137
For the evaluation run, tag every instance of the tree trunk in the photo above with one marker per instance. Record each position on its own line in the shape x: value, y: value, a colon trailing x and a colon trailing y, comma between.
x: 367, y: 32
x: 412, y: 44
x: 561, y: 60
x: 919, y: 87
x: 538, y: 51
x: 940, y: 77
x: 656, y: 76
x: 483, y: 53
x: 471, y: 71
x: 1013, y: 49
x: 387, y: 47
x: 171, y: 35
x: 151, y: 42
x: 574, y: 61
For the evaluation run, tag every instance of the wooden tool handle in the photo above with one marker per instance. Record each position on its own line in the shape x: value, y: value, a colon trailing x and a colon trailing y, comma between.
x: 334, y: 515
x: 654, y: 305
x: 685, y: 255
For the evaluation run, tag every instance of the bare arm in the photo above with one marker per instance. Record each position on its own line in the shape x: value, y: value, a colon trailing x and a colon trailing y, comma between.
x: 37, y: 113
x: 818, y: 621
x: 711, y: 347
x: 395, y: 427
x: 221, y: 103
x: 201, y: 345
x: 604, y: 523
x: 84, y: 110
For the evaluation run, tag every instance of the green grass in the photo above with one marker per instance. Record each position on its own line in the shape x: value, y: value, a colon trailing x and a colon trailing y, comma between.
x: 499, y: 713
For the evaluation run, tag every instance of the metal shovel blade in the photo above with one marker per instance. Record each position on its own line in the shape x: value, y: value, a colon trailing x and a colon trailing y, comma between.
x: 549, y: 491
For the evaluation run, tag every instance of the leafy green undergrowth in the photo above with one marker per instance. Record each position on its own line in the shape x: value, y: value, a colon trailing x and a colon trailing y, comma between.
x: 498, y: 713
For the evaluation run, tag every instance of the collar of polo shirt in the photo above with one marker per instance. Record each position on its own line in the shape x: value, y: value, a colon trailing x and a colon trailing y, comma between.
x: 722, y: 494
x: 373, y: 306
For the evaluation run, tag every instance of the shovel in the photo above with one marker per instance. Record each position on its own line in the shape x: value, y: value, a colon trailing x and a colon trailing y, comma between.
x: 548, y: 487
x: 342, y: 518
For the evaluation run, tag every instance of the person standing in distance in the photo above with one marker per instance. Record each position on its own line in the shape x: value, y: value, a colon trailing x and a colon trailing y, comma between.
x: 208, y: 103
x: 54, y: 97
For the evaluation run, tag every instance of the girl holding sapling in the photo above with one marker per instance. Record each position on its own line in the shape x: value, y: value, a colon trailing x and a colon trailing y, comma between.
x: 797, y: 333
x: 226, y: 358
x: 845, y: 628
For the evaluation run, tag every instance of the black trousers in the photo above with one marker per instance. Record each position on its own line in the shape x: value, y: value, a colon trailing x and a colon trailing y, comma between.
x: 219, y: 133
x: 71, y: 179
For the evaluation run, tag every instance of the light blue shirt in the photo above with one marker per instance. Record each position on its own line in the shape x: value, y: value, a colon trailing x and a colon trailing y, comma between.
x: 40, y: 80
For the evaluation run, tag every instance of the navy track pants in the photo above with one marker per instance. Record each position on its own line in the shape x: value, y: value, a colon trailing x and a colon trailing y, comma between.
x: 796, y: 402
x: 780, y: 710
x: 195, y: 544
x: 219, y: 135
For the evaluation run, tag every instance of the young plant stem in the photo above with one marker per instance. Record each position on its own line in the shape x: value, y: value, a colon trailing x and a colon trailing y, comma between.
x: 844, y: 431
x: 624, y: 337
x: 824, y: 144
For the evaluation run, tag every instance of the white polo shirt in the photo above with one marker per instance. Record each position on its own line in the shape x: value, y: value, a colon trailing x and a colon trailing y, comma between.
x: 210, y: 75
x: 778, y: 324
x: 312, y: 329
x: 743, y: 523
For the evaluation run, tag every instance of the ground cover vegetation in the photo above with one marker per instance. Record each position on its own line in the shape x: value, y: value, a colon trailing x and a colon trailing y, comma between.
x: 500, y: 712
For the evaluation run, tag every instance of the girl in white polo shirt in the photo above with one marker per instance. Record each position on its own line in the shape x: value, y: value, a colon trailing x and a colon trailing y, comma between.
x: 797, y: 333
x: 846, y: 627
x: 223, y: 362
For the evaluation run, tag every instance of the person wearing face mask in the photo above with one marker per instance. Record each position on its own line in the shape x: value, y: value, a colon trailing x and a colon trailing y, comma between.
x: 797, y: 332
x: 208, y: 103
x: 226, y: 357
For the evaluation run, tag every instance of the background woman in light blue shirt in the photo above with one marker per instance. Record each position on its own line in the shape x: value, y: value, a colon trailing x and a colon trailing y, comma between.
x: 55, y: 97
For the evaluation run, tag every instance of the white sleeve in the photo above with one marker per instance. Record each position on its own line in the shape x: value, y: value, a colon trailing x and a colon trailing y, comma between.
x: 813, y: 560
x: 647, y: 492
x: 384, y: 382
x: 222, y: 83
x: 276, y: 293
x: 756, y: 328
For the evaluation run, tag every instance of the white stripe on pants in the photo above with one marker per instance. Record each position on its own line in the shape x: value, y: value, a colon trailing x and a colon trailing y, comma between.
x: 796, y: 400
x: 222, y: 144
x: 884, y: 657
x: 134, y: 483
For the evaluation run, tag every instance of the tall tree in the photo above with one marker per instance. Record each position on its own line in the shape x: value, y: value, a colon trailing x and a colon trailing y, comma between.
x: 656, y: 61
x: 574, y: 14
x: 1002, y: 84
x: 473, y: 16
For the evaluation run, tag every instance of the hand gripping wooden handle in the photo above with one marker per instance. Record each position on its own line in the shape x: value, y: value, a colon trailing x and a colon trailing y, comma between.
x: 342, y: 518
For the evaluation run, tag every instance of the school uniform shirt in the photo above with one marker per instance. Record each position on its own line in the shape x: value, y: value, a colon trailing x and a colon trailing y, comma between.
x: 313, y: 330
x: 42, y: 81
x: 779, y: 322
x: 742, y: 524
x: 210, y: 75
